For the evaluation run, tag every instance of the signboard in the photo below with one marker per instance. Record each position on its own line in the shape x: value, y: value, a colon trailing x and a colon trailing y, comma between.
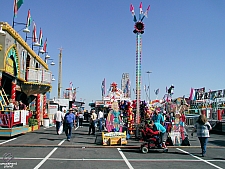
x: 114, y: 138
x: 9, y: 68
x: 99, y: 102
x: 63, y: 102
x: 200, y: 94
x: 23, y: 116
x: 16, y: 116
x: 52, y: 108
x: 108, y: 103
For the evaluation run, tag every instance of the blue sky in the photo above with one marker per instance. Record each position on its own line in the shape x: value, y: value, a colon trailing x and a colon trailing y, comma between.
x: 183, y: 43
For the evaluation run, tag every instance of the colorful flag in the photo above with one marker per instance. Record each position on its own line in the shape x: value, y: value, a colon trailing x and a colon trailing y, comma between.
x: 40, y: 38
x: 34, y: 33
x: 28, y: 19
x: 192, y: 94
x: 16, y: 6
x: 45, y: 47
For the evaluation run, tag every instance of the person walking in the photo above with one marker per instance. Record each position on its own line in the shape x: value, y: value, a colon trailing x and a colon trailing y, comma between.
x: 100, y: 119
x: 81, y: 118
x: 69, y: 123
x: 203, y: 127
x: 59, y: 117
x: 92, y: 122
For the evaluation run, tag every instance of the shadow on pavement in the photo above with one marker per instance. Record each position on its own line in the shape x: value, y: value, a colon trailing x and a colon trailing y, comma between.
x: 218, y: 142
x: 7, y: 138
x: 51, y: 139
x: 43, y: 133
x: 219, y: 158
x: 153, y: 151
x: 84, y: 142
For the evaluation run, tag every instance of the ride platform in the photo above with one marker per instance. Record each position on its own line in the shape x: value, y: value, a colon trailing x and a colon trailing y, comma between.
x: 9, y: 132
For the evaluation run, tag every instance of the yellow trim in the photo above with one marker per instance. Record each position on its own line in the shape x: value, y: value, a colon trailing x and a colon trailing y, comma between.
x: 33, y: 83
x: 6, y: 54
x: 21, y: 79
x: 18, y: 38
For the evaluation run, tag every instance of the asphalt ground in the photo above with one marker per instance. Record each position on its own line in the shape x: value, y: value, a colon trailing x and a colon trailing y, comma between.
x: 44, y: 149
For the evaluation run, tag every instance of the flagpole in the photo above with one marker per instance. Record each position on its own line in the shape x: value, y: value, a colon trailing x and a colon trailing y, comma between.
x: 13, y: 21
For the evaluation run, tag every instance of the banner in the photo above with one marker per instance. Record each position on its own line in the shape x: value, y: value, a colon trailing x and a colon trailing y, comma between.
x: 17, y: 116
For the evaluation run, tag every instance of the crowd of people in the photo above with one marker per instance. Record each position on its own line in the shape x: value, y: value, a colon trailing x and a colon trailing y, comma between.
x: 154, y: 126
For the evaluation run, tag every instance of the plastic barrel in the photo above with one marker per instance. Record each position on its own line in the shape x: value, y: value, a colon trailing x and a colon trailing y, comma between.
x: 46, y: 123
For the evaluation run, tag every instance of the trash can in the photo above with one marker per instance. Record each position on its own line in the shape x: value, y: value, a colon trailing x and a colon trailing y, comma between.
x: 46, y: 122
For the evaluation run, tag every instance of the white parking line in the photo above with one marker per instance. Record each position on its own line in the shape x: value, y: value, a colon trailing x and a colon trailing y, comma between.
x: 105, y: 159
x: 49, y: 155
x: 125, y: 159
x: 8, y: 141
x: 199, y: 158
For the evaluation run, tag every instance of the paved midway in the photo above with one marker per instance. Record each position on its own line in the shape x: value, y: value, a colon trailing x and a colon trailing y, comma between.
x: 44, y: 149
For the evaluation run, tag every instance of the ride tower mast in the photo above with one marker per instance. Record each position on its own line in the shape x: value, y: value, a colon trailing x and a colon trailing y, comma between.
x: 138, y: 30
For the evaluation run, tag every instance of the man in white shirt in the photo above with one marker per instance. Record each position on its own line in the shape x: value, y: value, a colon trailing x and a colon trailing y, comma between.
x: 92, y: 123
x: 59, y: 117
x: 100, y: 119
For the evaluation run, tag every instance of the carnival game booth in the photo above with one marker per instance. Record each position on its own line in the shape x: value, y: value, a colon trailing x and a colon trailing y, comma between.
x: 116, y: 116
x: 25, y: 77
x: 115, y: 135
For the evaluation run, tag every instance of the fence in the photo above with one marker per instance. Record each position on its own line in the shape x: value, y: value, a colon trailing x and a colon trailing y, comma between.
x: 191, y: 119
x: 13, y: 118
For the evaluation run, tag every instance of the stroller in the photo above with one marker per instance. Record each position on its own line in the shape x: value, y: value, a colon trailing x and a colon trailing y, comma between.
x: 151, y: 142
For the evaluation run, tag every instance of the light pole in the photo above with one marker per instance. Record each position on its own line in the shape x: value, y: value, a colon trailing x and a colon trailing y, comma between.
x: 149, y: 97
x: 60, y: 73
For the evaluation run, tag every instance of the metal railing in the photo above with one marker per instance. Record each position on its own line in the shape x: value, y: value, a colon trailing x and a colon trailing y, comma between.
x: 191, y: 119
x: 39, y: 76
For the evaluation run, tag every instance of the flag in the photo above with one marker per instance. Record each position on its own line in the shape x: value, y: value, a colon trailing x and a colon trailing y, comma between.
x: 192, y: 94
x: 40, y: 38
x: 34, y: 32
x: 157, y: 91
x: 141, y: 10
x: 16, y: 6
x: 28, y: 19
x: 103, y: 87
x: 45, y: 47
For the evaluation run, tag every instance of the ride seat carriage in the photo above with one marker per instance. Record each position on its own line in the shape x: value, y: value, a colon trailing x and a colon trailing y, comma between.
x: 152, y: 140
